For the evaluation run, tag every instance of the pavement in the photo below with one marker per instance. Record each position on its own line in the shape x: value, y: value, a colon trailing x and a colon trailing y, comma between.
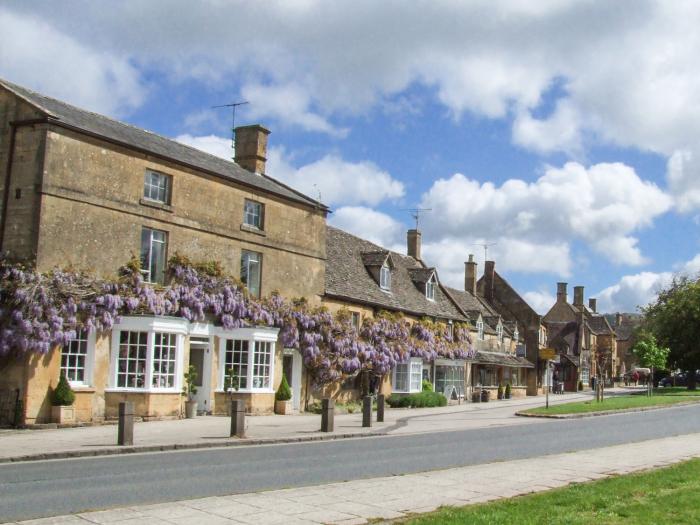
x: 395, y: 497
x: 213, y: 431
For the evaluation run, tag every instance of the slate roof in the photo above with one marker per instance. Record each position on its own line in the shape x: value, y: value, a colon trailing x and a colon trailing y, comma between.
x: 62, y: 113
x: 376, y: 258
x: 498, y: 358
x: 348, y: 278
x: 475, y: 305
x: 599, y: 324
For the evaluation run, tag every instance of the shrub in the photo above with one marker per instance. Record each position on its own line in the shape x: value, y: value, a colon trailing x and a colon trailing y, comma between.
x: 500, y: 391
x: 417, y: 400
x: 63, y: 394
x: 284, y: 393
x: 508, y: 391
x: 580, y: 385
x: 189, y: 389
x: 427, y: 386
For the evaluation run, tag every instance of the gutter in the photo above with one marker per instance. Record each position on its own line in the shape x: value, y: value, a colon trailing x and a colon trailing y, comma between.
x: 8, y: 171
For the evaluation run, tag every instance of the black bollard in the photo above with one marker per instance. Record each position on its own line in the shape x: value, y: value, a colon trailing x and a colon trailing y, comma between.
x: 380, y: 408
x: 327, y: 415
x: 125, y: 430
x: 367, y: 411
x: 238, y: 418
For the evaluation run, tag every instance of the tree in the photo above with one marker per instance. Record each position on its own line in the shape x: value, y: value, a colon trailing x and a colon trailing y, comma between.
x: 674, y: 319
x: 650, y: 355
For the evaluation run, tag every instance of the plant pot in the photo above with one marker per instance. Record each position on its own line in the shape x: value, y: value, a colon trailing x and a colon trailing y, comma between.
x: 485, y: 396
x: 63, y: 414
x: 476, y: 397
x: 501, y: 395
x: 508, y: 396
x: 190, y: 409
x: 283, y: 407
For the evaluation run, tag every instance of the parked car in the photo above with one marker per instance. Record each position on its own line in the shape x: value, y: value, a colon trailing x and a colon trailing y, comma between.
x: 681, y: 379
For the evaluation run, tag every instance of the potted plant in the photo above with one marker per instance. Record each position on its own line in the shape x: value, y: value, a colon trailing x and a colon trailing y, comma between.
x: 509, y: 391
x: 189, y: 390
x: 500, y: 392
x: 283, y: 404
x: 485, y: 396
x: 580, y: 386
x: 62, y: 399
x: 476, y: 396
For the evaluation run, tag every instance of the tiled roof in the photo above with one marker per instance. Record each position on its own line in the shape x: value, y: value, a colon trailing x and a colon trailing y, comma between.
x: 498, y: 358
x: 130, y: 136
x: 377, y: 258
x: 599, y: 324
x: 475, y: 305
x: 348, y: 278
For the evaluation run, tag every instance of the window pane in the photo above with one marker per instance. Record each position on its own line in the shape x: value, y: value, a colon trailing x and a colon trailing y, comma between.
x: 236, y: 362
x: 262, y: 358
x: 252, y: 214
x: 156, y: 186
x: 250, y: 271
x: 153, y: 254
x: 73, y: 357
x: 164, y: 353
x: 401, y: 378
x: 131, y: 364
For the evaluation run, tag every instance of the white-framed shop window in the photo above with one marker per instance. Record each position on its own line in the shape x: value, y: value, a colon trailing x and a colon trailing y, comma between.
x: 78, y: 357
x: 408, y: 376
x: 147, y: 354
x: 249, y: 355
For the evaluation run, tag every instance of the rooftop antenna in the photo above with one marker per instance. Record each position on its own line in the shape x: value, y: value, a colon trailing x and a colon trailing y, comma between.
x: 319, y: 193
x: 416, y: 213
x: 233, y: 107
x: 485, y: 246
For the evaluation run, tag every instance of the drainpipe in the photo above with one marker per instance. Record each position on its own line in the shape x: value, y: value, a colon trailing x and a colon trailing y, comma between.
x: 8, y: 172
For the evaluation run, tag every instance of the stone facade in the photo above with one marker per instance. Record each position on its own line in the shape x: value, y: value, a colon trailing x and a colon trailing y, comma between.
x: 73, y: 196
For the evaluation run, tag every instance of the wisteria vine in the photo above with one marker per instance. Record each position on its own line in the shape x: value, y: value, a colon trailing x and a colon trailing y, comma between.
x: 39, y: 311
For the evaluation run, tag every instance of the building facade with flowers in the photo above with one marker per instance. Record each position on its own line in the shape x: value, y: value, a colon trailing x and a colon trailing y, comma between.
x: 84, y: 192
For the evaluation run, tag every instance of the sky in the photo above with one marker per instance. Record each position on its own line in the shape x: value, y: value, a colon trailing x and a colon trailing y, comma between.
x: 563, y: 134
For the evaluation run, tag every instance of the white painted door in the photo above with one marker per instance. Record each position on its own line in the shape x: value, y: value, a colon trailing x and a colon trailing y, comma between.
x: 291, y: 366
x: 200, y: 358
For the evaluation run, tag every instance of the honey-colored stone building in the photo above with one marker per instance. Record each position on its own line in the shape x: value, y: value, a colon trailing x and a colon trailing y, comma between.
x: 84, y: 191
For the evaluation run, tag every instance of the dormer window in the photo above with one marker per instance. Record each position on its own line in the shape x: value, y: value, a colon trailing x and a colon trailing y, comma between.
x: 499, y: 332
x: 385, y: 277
x: 430, y: 288
x: 480, y: 330
x: 516, y: 334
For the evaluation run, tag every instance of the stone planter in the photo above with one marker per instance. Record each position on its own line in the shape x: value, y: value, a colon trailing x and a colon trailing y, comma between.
x: 485, y: 394
x: 476, y: 396
x: 190, y: 409
x: 63, y: 414
x: 283, y: 407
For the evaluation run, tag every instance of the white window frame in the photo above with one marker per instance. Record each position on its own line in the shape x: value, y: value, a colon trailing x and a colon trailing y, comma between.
x: 356, y: 320
x: 451, y: 329
x: 385, y: 277
x: 415, y: 376
x: 260, y: 214
x: 516, y: 335
x: 89, y: 361
x: 151, y: 325
x: 499, y: 332
x: 480, y: 329
x: 252, y: 335
x: 430, y: 288
x: 146, y: 272
x: 259, y: 261
x: 149, y: 187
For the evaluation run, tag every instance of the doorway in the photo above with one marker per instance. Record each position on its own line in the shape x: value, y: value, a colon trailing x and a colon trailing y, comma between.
x: 291, y: 367
x: 200, y: 359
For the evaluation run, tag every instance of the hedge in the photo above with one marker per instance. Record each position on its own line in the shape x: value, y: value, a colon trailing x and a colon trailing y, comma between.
x: 417, y: 400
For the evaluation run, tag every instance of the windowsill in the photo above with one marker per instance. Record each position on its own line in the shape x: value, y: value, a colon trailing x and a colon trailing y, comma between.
x: 78, y: 389
x: 142, y: 391
x: 253, y: 229
x: 247, y: 391
x: 156, y: 204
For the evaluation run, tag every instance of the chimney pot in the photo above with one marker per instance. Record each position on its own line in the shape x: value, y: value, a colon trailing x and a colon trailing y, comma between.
x: 592, y: 304
x: 470, y: 275
x: 251, y: 148
x: 578, y: 295
x: 561, y: 292
x: 413, y: 242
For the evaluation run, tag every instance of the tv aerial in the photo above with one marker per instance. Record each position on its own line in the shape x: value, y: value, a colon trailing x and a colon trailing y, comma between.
x: 233, y: 107
x: 485, y: 246
x: 416, y: 213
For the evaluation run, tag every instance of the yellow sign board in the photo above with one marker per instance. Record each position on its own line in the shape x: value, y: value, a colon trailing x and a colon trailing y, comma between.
x: 547, y: 354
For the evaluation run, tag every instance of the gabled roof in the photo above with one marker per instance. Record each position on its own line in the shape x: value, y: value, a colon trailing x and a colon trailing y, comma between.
x: 376, y: 258
x: 348, y: 279
x: 421, y: 275
x: 599, y: 324
x: 68, y: 116
x: 474, y: 306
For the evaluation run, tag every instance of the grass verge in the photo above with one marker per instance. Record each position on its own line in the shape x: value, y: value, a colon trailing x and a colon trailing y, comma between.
x: 661, y: 397
x: 668, y: 495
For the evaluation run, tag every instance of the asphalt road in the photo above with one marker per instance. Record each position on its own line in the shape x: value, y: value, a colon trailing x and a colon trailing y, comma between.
x: 37, y: 489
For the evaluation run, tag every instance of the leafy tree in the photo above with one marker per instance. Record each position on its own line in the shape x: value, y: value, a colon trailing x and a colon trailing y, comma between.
x: 650, y: 354
x: 674, y: 319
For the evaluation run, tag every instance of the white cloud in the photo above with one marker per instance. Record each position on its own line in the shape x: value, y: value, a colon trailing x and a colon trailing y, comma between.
x: 338, y: 181
x: 218, y: 146
x: 35, y: 54
x: 561, y: 131
x: 540, y: 301
x: 684, y: 179
x: 369, y: 224
x: 602, y: 205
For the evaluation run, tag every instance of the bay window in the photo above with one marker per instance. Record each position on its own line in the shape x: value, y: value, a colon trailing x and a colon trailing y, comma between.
x: 248, y: 356
x: 408, y: 376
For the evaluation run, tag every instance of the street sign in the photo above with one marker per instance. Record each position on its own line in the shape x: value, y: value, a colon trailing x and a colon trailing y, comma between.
x: 547, y: 354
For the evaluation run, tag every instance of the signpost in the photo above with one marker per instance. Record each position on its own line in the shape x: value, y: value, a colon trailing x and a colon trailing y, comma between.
x: 546, y: 355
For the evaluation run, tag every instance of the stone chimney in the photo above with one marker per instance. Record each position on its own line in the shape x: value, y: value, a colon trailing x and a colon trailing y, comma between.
x: 592, y: 304
x: 470, y: 275
x: 251, y: 148
x: 413, y: 244
x: 561, y: 292
x: 489, y: 271
x: 578, y: 295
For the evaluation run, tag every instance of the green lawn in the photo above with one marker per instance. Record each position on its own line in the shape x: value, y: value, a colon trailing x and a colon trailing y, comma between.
x: 669, y: 495
x: 662, y: 396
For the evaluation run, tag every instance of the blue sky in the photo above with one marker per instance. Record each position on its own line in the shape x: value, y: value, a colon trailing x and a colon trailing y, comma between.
x: 564, y: 132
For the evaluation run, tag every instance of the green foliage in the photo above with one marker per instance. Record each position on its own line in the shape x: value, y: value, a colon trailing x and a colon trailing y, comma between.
x: 674, y: 320
x: 210, y: 268
x: 417, y: 400
x: 232, y: 382
x: 284, y: 393
x: 580, y: 385
x: 189, y: 389
x: 63, y: 394
x: 500, y: 392
x: 649, y: 353
x: 508, y: 390
x: 426, y: 386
